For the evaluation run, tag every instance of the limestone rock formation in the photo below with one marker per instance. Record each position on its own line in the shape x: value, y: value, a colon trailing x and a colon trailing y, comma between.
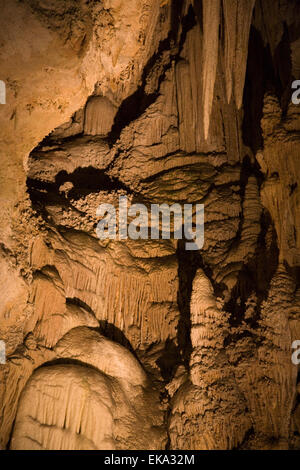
x: 142, y: 344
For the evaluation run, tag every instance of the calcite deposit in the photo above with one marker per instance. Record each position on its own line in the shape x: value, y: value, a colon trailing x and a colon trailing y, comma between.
x: 142, y: 344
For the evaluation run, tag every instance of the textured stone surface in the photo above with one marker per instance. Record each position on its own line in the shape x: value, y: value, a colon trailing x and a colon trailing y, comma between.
x: 164, y: 102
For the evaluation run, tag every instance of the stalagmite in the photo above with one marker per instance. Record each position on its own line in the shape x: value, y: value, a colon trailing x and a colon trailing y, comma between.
x: 211, y: 401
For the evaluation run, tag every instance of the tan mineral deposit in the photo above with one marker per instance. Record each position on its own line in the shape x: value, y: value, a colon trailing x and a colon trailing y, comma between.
x: 137, y: 338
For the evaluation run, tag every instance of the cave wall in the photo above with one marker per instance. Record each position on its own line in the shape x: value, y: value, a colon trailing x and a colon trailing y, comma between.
x: 136, y: 344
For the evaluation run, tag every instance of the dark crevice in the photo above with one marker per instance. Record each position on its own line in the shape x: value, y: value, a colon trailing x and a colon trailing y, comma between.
x: 293, y: 188
x: 110, y: 331
x: 169, y: 360
x: 265, y: 74
x: 84, y: 180
x: 283, y: 70
x: 67, y: 362
x: 248, y: 437
x: 79, y: 303
x: 259, y: 76
x: 10, y: 435
x: 188, y: 264
x: 255, y: 277
x: 187, y: 267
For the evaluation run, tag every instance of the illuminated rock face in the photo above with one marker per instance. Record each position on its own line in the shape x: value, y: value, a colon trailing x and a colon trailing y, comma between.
x: 142, y: 344
x: 96, y: 401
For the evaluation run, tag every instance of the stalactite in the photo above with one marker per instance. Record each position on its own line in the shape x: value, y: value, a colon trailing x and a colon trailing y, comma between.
x: 211, y: 24
x: 237, y: 21
x: 99, y: 116
x: 244, y: 17
x: 230, y: 9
